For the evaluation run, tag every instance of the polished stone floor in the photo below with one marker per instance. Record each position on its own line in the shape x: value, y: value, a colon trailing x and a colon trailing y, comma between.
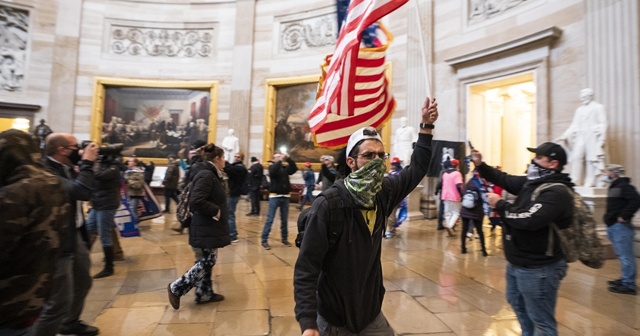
x: 432, y: 289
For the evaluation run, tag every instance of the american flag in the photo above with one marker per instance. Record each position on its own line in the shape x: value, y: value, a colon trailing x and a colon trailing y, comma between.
x: 353, y: 90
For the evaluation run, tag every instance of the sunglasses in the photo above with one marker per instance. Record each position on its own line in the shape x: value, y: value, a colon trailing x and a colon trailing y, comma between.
x: 373, y: 155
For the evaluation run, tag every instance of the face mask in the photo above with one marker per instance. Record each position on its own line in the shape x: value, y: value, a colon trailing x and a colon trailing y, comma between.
x: 75, y: 157
x: 606, y: 179
x: 535, y: 171
x: 366, y: 182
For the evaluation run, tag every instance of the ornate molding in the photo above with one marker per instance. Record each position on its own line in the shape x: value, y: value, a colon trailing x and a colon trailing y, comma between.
x: 482, y: 10
x: 308, y: 33
x: 14, y: 37
x: 161, y: 41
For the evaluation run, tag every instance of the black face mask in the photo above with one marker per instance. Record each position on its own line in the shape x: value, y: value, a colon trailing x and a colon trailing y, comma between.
x: 74, y: 157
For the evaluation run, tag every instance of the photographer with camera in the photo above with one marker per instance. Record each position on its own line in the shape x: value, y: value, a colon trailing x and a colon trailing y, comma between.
x: 105, y: 201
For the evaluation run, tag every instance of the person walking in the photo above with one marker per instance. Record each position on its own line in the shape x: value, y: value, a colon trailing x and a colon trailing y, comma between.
x: 309, y: 182
x: 170, y: 182
x: 473, y: 217
x: 451, y: 196
x: 209, y: 228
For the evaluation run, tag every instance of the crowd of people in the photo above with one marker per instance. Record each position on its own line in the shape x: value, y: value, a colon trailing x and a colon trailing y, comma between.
x: 338, y: 282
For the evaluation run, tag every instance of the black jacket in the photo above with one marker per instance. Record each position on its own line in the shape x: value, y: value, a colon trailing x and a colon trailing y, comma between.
x: 256, y: 173
x: 208, y: 196
x: 237, y: 174
x: 526, y: 223
x: 279, y: 177
x: 106, y: 193
x: 78, y: 187
x: 327, y: 176
x: 344, y: 283
x: 476, y: 213
x: 622, y: 201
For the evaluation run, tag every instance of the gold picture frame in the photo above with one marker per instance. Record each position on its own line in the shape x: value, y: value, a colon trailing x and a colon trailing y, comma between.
x: 153, y: 118
x: 300, y: 97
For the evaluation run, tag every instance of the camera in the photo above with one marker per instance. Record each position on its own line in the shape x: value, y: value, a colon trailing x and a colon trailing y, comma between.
x: 106, y: 150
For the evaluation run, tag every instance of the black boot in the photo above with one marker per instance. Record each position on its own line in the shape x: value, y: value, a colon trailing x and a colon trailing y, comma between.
x: 108, y: 263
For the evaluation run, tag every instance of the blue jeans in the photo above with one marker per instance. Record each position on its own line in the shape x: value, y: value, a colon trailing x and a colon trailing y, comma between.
x: 621, y: 237
x: 308, y: 196
x: 133, y: 206
x: 232, y: 202
x: 102, y: 222
x: 274, y: 204
x: 533, y: 293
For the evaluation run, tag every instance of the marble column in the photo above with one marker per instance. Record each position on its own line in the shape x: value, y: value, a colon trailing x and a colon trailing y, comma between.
x: 240, y: 102
x: 612, y: 68
x: 64, y: 65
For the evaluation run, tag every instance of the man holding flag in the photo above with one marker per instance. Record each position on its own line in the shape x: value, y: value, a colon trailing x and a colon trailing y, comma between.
x: 338, y: 285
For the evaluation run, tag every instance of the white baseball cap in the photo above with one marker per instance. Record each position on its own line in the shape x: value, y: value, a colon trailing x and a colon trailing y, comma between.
x: 364, y: 133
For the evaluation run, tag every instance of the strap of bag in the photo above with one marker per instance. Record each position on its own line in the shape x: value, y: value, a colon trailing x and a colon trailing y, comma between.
x: 554, y: 227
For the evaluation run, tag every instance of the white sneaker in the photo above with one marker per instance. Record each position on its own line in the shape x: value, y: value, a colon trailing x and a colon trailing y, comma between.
x: 469, y: 235
x: 476, y: 236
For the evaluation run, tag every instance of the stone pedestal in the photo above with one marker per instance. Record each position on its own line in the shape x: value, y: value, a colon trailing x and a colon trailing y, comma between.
x: 413, y: 204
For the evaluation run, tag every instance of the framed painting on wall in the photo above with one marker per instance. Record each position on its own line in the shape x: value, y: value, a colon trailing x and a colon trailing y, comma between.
x: 153, y: 119
x: 288, y: 104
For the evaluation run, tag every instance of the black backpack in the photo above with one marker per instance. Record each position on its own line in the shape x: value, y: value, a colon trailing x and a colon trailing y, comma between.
x: 337, y: 219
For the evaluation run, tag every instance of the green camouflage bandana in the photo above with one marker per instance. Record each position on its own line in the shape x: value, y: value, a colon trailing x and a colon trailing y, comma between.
x: 366, y: 182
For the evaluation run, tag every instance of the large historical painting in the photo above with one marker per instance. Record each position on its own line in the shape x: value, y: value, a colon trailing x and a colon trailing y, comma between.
x: 289, y: 102
x: 153, y: 119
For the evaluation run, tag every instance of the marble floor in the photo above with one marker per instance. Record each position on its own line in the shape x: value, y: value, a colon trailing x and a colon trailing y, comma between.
x: 432, y: 289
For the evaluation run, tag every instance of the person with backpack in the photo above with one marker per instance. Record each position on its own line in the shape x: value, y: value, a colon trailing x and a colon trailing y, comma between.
x: 209, y: 228
x: 535, y: 264
x: 622, y: 203
x: 195, y: 158
x: 134, y: 180
x: 237, y: 174
x: 473, y: 214
x: 338, y: 282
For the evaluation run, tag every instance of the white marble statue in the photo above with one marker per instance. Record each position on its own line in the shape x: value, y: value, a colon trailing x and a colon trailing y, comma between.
x: 585, y: 139
x: 231, y: 145
x: 403, y: 141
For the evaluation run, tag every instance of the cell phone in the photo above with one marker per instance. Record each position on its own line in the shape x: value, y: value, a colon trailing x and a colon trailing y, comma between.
x: 470, y: 145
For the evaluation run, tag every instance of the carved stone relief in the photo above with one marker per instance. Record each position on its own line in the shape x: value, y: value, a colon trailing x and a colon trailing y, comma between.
x: 161, y: 42
x: 308, y: 33
x: 14, y: 35
x: 481, y: 10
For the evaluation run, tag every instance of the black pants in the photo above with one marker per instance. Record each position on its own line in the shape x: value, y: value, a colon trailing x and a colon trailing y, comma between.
x: 254, y: 196
x: 169, y: 194
x: 465, y: 228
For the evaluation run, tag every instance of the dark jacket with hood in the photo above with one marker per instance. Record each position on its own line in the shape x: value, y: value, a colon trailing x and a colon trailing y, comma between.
x: 526, y: 222
x: 622, y: 201
x: 279, y: 177
x: 79, y: 187
x: 257, y: 174
x: 343, y: 283
x: 207, y: 199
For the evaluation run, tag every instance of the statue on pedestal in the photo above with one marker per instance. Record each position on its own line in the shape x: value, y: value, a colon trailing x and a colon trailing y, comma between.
x: 41, y: 131
x: 585, y: 139
x: 403, y: 141
x: 231, y: 145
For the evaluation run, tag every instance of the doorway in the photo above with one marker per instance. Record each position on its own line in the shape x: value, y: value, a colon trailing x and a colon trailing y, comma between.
x: 501, y: 120
x: 17, y: 123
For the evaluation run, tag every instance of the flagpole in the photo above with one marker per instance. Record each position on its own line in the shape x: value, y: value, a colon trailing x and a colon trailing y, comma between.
x: 423, y: 49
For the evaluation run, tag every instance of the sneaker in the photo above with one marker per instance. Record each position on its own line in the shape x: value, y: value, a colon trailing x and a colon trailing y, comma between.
x: 469, y: 235
x: 476, y: 236
x: 266, y: 246
x: 622, y: 289
x: 234, y: 240
x: 616, y: 282
x: 79, y: 328
x: 286, y: 243
x: 214, y: 298
x: 174, y: 300
x: 179, y: 230
x: 388, y: 235
x: 449, y: 232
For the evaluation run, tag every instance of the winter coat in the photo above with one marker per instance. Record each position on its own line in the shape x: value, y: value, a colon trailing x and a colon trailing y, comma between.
x: 172, y: 176
x: 622, y: 201
x: 134, y: 177
x: 477, y: 212
x: 279, y: 177
x: 106, y: 194
x: 237, y: 174
x: 208, y: 199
